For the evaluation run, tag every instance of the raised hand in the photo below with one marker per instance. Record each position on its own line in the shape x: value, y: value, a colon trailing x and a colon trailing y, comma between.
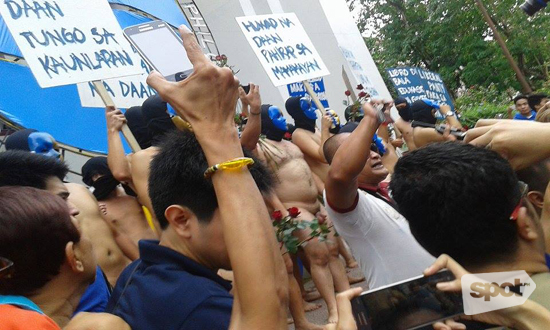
x: 251, y: 99
x: 207, y: 98
x: 115, y: 119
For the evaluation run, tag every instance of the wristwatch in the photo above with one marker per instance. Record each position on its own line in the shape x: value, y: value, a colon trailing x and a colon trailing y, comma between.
x: 449, y: 114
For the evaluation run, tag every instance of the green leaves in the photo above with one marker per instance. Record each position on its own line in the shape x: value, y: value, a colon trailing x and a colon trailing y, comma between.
x: 289, y: 224
x: 451, y: 38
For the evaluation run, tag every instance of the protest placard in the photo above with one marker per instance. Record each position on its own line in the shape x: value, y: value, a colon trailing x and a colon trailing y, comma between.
x: 417, y: 84
x: 68, y: 42
x: 283, y: 48
x: 317, y: 85
x: 126, y: 92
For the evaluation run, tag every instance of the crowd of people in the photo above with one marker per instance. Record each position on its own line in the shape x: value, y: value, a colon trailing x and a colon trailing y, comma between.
x: 181, y: 234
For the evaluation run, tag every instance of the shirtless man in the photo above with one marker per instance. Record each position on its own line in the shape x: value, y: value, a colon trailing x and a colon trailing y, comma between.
x: 295, y: 187
x: 123, y: 212
x: 133, y: 170
x: 108, y: 255
x: 310, y: 141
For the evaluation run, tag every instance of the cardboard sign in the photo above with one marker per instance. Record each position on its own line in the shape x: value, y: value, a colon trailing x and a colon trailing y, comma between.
x: 417, y: 84
x: 68, y: 41
x: 358, y: 72
x: 318, y: 86
x: 283, y: 47
x: 126, y: 92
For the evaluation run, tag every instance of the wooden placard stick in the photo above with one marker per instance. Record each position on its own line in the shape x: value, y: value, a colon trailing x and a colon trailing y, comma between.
x: 108, y: 101
x: 314, y: 97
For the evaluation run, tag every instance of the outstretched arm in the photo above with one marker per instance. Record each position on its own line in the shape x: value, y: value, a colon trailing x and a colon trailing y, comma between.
x: 116, y: 158
x: 247, y: 230
x: 349, y: 161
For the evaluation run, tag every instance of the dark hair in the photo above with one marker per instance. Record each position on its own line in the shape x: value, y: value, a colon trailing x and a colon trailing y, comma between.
x: 35, y: 227
x: 331, y: 145
x: 177, y: 177
x: 458, y: 200
x: 22, y: 168
x: 519, y: 97
x: 536, y: 176
x: 535, y: 99
x: 19, y: 140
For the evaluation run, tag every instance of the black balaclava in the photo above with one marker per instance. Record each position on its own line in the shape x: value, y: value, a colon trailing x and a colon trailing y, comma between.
x: 294, y: 109
x: 19, y: 140
x: 138, y: 126
x: 103, y: 186
x: 154, y: 111
x: 405, y: 113
x: 268, y: 128
x: 423, y: 112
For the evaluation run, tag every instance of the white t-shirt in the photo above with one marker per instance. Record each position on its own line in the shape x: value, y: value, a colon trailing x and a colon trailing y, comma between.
x: 381, y: 241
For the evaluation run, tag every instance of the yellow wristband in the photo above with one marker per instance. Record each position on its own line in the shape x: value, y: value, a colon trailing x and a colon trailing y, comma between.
x: 234, y: 164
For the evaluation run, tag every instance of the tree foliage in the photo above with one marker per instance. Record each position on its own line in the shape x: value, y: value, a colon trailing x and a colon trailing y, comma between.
x: 451, y: 38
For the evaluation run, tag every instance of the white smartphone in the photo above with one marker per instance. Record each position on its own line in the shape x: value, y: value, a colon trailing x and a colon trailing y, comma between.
x: 161, y: 48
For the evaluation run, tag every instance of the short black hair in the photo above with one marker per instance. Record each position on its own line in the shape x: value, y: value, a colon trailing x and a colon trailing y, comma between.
x: 23, y: 168
x: 458, y: 200
x: 332, y: 144
x: 35, y: 227
x: 519, y: 97
x: 177, y: 177
x: 535, y: 99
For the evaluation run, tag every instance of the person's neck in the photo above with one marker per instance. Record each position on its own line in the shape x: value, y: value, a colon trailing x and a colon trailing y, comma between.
x: 534, y: 264
x: 59, y: 298
x: 171, y: 240
x: 364, y: 182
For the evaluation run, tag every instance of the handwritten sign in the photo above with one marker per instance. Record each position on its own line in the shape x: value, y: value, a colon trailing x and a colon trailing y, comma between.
x: 416, y: 84
x: 126, y: 92
x: 283, y: 47
x: 358, y: 72
x: 318, y: 86
x: 67, y: 41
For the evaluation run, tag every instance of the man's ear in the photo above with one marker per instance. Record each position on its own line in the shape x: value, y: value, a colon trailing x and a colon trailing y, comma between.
x: 536, y: 198
x: 527, y: 224
x: 180, y: 219
x: 72, y: 257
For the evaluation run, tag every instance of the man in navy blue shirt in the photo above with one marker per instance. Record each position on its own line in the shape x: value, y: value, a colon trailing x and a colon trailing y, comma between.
x: 206, y: 197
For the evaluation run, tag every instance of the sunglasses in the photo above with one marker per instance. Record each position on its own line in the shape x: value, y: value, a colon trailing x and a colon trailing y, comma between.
x: 524, y: 189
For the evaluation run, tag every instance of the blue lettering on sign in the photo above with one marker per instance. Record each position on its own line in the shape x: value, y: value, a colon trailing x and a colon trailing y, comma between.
x: 267, y: 39
x: 59, y: 37
x: 103, y: 37
x: 293, y: 69
x: 82, y: 61
x: 318, y: 86
x: 26, y: 9
x: 417, y: 84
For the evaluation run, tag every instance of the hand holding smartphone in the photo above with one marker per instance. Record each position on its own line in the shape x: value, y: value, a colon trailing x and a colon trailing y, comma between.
x: 161, y: 48
x: 409, y: 304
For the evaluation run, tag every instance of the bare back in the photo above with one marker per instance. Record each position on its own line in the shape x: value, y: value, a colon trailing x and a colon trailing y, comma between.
x: 139, y: 165
x: 109, y: 256
x: 294, y: 184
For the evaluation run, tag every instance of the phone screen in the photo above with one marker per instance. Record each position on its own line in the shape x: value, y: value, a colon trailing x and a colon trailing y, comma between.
x: 163, y: 50
x: 407, y: 305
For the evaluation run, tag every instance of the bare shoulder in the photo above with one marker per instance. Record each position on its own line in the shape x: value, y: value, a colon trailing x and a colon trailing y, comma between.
x: 144, y: 155
x: 97, y: 321
x: 79, y: 191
